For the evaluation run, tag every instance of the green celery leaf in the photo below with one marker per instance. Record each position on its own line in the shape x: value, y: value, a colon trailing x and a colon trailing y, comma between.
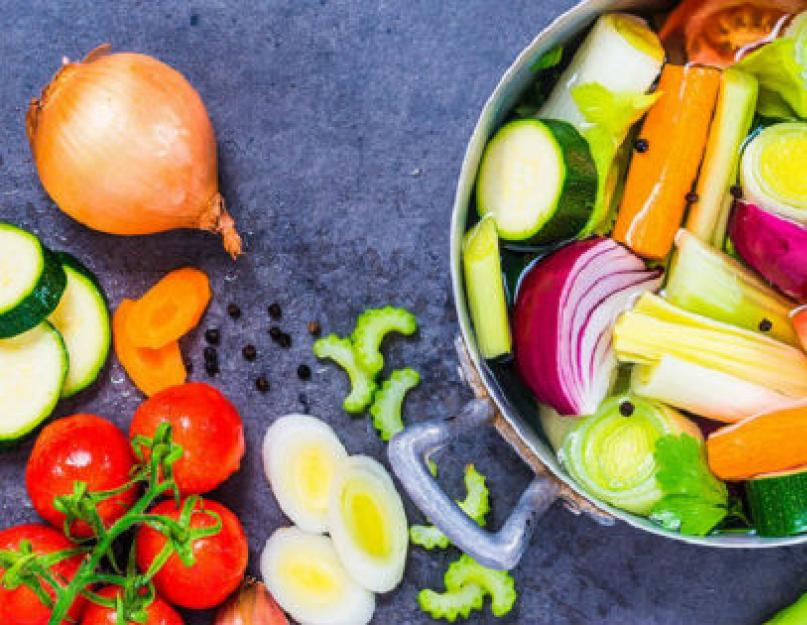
x: 694, y: 500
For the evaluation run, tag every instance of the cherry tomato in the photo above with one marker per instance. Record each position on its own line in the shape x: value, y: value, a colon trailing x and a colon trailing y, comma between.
x: 221, y: 559
x: 21, y: 606
x: 83, y: 448
x: 158, y: 612
x: 205, y: 424
x: 717, y: 32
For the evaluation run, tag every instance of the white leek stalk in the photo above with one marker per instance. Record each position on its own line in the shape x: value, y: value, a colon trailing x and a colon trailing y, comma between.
x: 620, y: 53
x: 702, y: 391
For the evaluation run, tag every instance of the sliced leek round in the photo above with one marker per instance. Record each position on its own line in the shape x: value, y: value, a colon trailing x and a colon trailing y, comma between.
x: 305, y: 576
x: 368, y: 524
x: 300, y: 455
x: 611, y: 453
x: 773, y: 170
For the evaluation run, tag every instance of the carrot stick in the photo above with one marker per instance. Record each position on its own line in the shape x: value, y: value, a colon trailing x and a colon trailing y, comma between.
x: 169, y: 309
x: 151, y: 370
x: 676, y: 129
x: 765, y: 443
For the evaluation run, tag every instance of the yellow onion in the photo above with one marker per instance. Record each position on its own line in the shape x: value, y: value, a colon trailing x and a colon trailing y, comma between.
x: 252, y: 605
x: 123, y: 144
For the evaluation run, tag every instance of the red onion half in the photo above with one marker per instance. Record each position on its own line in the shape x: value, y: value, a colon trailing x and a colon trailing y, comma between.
x: 564, y: 316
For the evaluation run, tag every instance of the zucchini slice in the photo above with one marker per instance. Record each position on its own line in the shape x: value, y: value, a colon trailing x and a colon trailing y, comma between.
x: 779, y: 502
x: 31, y: 281
x: 33, y: 367
x: 538, y: 179
x: 82, y: 318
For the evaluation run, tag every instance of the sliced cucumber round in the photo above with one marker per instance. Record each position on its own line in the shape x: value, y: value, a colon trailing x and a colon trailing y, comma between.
x: 33, y: 367
x: 538, y: 179
x: 82, y: 318
x: 31, y: 281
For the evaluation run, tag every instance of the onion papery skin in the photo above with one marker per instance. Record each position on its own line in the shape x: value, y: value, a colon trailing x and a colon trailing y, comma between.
x: 565, y: 311
x: 612, y: 456
x: 124, y: 145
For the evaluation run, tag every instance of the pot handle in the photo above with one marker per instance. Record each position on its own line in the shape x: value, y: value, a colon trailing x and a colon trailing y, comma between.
x: 409, y: 452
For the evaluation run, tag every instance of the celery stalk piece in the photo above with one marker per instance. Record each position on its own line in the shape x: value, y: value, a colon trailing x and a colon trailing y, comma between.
x: 498, y: 584
x: 655, y: 328
x: 795, y: 614
x: 734, y: 114
x: 452, y: 605
x: 372, y: 326
x: 476, y: 505
x: 388, y: 402
x: 485, y: 288
x: 341, y: 351
x: 705, y: 281
x: 705, y: 392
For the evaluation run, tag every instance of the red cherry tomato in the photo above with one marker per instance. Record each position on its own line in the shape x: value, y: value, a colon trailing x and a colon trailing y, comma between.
x: 205, y: 424
x: 717, y: 32
x: 221, y: 559
x: 83, y: 448
x: 21, y: 606
x: 158, y: 612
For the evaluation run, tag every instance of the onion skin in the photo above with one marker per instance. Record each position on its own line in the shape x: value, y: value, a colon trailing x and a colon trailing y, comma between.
x: 774, y: 246
x: 124, y: 145
x: 251, y: 605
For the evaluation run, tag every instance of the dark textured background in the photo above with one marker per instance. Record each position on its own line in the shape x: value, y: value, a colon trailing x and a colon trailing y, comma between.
x: 341, y: 128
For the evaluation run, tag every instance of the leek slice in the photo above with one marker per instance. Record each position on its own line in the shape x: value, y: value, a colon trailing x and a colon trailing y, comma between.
x: 703, y: 280
x: 773, y: 170
x: 706, y: 392
x: 621, y: 53
x: 656, y: 328
x: 611, y: 453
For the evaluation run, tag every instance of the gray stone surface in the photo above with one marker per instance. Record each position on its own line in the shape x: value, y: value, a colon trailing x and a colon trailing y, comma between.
x: 341, y: 128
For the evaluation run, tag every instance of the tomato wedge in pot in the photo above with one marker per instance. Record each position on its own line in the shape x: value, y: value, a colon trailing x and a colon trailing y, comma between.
x: 718, y: 32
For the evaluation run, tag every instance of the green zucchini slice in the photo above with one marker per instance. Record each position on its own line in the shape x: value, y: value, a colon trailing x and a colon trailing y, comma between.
x: 82, y: 318
x: 779, y: 503
x: 33, y: 367
x: 538, y: 179
x: 31, y: 281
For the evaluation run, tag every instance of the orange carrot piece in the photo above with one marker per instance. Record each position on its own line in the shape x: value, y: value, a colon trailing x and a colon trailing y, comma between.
x: 151, y: 370
x: 676, y: 129
x: 765, y: 443
x: 170, y: 309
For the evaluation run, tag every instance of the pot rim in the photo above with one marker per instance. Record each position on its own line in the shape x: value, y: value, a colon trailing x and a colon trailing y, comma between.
x: 568, y: 23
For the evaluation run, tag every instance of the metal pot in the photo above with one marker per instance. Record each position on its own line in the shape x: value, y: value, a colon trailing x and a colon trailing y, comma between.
x: 499, y: 406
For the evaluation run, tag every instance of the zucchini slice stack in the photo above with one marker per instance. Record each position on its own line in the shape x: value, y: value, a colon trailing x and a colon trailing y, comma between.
x: 54, y: 330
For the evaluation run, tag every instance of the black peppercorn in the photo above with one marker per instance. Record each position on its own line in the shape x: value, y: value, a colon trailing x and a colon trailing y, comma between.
x: 262, y: 384
x: 304, y: 372
x: 736, y: 192
x: 766, y: 325
x: 275, y: 333
x: 626, y: 408
x: 314, y: 328
x: 275, y: 311
x: 249, y: 352
x: 210, y: 354
x: 692, y: 197
x: 641, y: 145
x: 234, y: 311
x: 212, y: 336
x: 212, y: 368
x: 284, y: 340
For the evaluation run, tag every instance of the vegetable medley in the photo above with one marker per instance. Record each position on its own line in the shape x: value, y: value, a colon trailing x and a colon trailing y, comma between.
x: 639, y: 257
